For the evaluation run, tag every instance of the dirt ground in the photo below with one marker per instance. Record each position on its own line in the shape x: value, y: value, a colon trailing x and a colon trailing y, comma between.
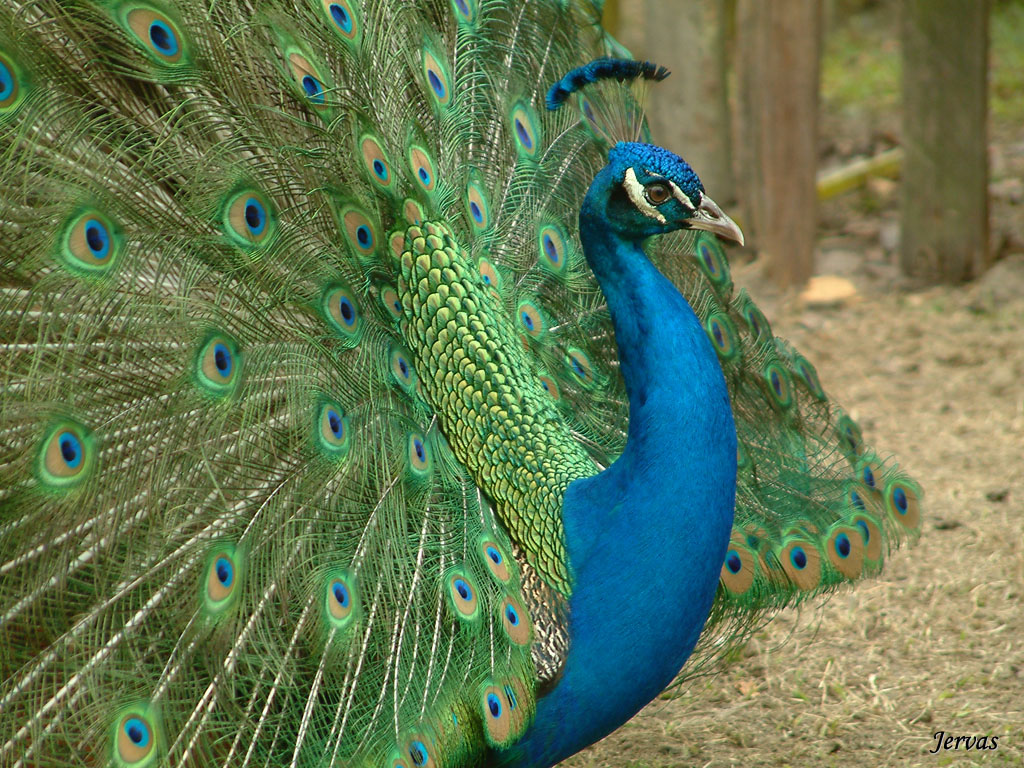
x: 934, y: 376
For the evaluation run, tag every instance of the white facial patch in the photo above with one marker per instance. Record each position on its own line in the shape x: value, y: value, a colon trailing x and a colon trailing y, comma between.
x: 635, y: 190
x: 679, y: 195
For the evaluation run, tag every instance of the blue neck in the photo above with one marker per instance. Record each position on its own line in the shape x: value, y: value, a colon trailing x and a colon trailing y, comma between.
x: 646, y: 538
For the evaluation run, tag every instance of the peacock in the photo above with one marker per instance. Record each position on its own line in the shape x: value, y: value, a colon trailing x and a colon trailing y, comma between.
x: 374, y: 393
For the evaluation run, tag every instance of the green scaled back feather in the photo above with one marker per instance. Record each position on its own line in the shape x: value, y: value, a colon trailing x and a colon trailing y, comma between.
x: 231, y: 529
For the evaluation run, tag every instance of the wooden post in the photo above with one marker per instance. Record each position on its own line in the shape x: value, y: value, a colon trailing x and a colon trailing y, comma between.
x: 945, y: 172
x: 778, y: 69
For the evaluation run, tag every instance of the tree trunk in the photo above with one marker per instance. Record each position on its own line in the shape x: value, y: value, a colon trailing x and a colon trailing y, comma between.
x: 945, y: 173
x: 778, y: 69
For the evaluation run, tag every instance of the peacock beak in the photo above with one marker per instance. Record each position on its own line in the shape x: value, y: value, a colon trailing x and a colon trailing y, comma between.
x: 710, y: 218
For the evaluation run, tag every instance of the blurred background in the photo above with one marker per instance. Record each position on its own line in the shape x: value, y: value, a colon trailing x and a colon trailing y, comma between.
x: 873, y: 152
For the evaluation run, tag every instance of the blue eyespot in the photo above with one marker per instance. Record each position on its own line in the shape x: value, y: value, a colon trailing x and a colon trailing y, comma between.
x: 340, y: 592
x: 222, y: 360
x: 511, y: 615
x: 856, y: 500
x: 463, y: 8
x: 463, y: 589
x: 424, y: 176
x: 798, y: 557
x: 225, y: 573
x: 6, y: 81
x: 418, y: 753
x: 255, y: 216
x: 478, y: 216
x: 494, y: 554
x: 436, y: 84
x: 97, y: 238
x: 314, y: 90
x: 865, y: 531
x: 336, y: 424
x: 380, y: 170
x: 843, y: 546
x: 550, y: 249
x: 417, y: 445
x: 869, y: 477
x: 341, y: 18
x: 70, y: 449
x: 776, y: 383
x: 899, y: 497
x: 348, y: 312
x: 137, y: 732
x: 364, y: 236
x: 523, y: 134
x: 733, y: 562
x: 494, y: 705
x: 527, y: 321
x: 163, y: 38
x: 511, y: 694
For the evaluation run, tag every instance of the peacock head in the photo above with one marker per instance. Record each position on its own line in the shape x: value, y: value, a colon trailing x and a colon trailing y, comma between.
x: 650, y: 191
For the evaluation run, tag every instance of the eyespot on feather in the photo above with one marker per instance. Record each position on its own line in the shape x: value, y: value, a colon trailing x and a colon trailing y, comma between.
x: 580, y: 366
x: 525, y: 130
x: 476, y: 206
x: 413, y: 213
x: 489, y: 274
x: 850, y: 439
x: 136, y: 737
x: 418, y: 455
x: 160, y: 36
x: 807, y: 374
x: 553, y: 248
x: 340, y: 599
x: 871, y: 535
x: 310, y: 82
x: 332, y: 430
x: 496, y: 559
x: 549, y: 385
x: 249, y: 219
x: 739, y: 567
x: 90, y: 243
x: 343, y: 18
x: 341, y: 310
x: 220, y: 585
x: 502, y: 711
x: 723, y: 336
x: 422, y: 167
x: 902, y: 501
x: 757, y: 323
x: 402, y: 369
x: 218, y: 365
x: 435, y: 73
x: 780, y: 385
x: 711, y: 258
x: 516, y: 621
x: 420, y: 749
x: 465, y: 11
x: 462, y: 595
x: 67, y: 456
x: 530, y: 319
x: 360, y: 231
x: 13, y: 87
x: 845, y: 550
x: 801, y: 561
x: 378, y: 166
x: 391, y: 301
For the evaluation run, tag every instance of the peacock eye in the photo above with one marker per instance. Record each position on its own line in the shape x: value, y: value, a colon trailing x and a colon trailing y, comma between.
x: 657, y: 192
